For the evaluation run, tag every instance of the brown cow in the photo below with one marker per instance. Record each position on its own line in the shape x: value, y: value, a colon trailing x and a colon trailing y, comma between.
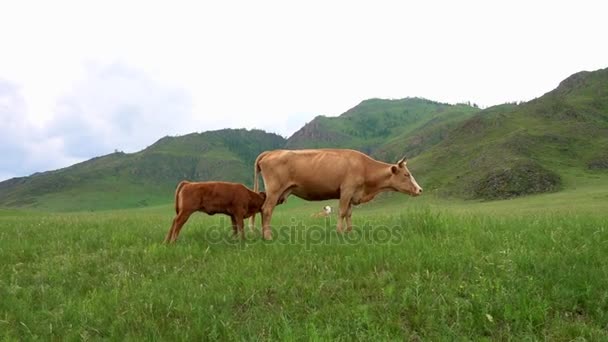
x: 315, y: 175
x: 232, y: 199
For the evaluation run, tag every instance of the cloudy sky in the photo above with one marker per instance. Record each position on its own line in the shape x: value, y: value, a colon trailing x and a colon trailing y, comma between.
x: 81, y: 79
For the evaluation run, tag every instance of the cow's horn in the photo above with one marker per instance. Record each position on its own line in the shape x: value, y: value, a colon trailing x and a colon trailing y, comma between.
x: 403, y: 161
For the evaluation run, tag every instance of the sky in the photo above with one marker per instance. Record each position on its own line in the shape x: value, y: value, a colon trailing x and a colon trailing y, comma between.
x: 79, y: 79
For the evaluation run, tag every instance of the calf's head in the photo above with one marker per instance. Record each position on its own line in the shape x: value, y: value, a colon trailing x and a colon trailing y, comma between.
x: 256, y: 201
x: 402, y: 179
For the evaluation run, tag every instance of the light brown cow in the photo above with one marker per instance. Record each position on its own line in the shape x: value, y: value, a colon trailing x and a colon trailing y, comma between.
x: 232, y: 199
x: 315, y: 175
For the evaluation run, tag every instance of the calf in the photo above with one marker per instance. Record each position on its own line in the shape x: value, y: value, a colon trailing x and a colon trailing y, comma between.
x: 232, y: 199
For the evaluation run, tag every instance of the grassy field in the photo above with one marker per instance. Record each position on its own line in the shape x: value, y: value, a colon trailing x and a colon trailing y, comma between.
x: 531, y: 268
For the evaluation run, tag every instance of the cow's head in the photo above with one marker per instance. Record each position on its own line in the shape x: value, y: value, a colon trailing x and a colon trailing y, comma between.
x: 403, y: 180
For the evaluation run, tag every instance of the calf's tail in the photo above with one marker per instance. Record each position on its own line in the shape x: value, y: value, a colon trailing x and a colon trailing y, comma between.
x: 179, y: 188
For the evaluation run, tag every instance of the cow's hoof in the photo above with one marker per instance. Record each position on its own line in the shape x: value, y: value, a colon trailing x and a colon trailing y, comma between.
x: 267, y: 236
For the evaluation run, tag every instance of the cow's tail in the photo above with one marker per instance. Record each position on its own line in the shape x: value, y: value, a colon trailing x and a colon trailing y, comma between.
x: 179, y: 188
x: 256, y: 186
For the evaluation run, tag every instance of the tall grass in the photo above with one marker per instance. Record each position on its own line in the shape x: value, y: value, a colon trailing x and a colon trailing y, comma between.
x: 421, y: 273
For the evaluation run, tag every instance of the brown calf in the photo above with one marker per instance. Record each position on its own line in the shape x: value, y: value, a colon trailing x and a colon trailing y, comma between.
x: 232, y: 199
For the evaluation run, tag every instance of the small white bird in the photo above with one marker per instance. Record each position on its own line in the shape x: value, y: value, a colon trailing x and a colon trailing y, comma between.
x: 324, y: 213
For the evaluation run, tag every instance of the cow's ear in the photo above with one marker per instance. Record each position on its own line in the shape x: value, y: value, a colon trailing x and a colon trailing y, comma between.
x: 394, y: 169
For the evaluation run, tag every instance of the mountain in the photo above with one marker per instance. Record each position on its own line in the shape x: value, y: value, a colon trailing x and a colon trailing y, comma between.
x: 501, y: 152
x: 386, y: 128
x: 459, y: 150
x: 144, y: 178
x: 512, y: 150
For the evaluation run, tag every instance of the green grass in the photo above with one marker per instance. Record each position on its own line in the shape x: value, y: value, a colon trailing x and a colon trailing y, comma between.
x: 435, y: 267
x: 421, y: 268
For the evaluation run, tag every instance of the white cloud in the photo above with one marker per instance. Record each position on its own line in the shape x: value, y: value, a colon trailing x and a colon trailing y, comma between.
x: 98, y: 76
x: 113, y: 108
x: 118, y: 107
x: 24, y: 148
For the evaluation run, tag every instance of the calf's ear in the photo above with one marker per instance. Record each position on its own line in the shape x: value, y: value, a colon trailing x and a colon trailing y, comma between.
x: 263, y: 194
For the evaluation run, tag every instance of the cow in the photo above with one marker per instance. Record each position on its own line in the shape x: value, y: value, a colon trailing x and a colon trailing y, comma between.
x: 323, y: 174
x: 232, y: 199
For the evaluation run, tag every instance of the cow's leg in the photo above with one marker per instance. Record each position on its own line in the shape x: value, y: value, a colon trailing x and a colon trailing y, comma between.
x: 344, y: 209
x: 349, y: 222
x: 267, y: 208
x: 178, y: 223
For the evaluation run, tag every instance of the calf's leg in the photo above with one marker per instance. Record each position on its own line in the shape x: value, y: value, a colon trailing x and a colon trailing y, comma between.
x: 234, y: 225
x: 240, y: 226
x: 178, y: 223
x: 171, y: 230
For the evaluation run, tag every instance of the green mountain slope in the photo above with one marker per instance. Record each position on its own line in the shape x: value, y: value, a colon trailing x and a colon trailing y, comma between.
x: 554, y: 142
x: 500, y: 152
x: 144, y: 178
x: 376, y: 124
x: 538, y: 146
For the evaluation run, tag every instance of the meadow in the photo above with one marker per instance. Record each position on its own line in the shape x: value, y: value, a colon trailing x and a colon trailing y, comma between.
x: 414, y: 269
